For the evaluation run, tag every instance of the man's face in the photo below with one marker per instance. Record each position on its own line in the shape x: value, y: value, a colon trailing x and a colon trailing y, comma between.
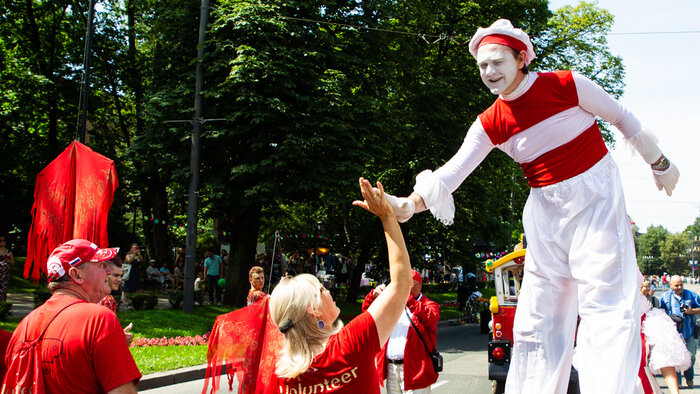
x: 415, y: 289
x: 95, y: 282
x: 115, y: 277
x: 677, y: 286
x: 257, y: 281
x: 645, y: 288
x: 499, y: 68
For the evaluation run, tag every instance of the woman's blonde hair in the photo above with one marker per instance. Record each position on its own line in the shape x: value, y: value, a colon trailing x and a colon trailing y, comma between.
x: 303, y: 338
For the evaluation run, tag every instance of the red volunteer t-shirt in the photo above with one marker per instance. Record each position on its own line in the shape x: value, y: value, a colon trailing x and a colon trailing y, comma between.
x: 83, y: 351
x: 346, y: 364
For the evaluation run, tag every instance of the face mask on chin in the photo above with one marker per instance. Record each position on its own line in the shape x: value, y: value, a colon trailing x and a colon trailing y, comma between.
x: 498, y: 68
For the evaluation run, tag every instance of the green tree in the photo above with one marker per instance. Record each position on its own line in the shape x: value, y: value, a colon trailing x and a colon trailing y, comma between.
x: 576, y: 39
x: 650, y: 250
x: 301, y: 125
x: 676, y: 253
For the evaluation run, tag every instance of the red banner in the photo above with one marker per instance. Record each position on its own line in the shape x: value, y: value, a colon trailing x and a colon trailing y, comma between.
x: 72, y: 198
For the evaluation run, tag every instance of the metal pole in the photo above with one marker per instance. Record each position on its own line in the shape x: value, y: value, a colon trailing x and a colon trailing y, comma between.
x: 692, y: 255
x: 86, y: 71
x: 192, y: 199
x: 272, y: 261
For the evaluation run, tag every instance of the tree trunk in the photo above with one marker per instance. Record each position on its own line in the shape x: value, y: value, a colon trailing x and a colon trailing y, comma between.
x: 362, y: 259
x: 159, y: 201
x: 244, y: 240
x: 133, y: 67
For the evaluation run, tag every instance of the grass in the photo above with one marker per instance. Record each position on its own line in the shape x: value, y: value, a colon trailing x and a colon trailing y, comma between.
x: 160, y: 323
x: 10, y: 324
x: 166, y: 358
x: 17, y: 282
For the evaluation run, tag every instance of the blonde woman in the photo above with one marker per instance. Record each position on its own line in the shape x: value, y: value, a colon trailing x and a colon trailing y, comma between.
x: 319, y: 353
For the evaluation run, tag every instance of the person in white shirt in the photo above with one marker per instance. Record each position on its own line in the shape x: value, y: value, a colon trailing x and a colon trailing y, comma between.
x: 581, y: 258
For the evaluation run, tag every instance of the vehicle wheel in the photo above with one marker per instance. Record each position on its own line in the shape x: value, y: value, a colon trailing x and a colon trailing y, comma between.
x: 498, y: 386
x: 470, y: 313
x: 484, y: 317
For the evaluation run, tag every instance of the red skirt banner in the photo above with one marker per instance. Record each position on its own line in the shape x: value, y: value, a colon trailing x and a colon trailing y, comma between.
x: 246, y: 342
x: 72, y: 198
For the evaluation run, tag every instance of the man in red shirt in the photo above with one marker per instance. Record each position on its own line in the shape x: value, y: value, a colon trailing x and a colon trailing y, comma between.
x: 79, y: 344
x: 404, y: 361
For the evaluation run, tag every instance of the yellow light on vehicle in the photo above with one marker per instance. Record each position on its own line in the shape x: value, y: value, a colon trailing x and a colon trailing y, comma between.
x: 498, y: 326
x: 493, y: 307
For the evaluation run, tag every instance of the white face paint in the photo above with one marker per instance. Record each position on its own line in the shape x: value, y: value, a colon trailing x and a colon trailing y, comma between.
x: 499, y: 69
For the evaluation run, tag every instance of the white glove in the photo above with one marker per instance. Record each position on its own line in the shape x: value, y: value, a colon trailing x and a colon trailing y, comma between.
x: 667, y: 179
x: 403, y: 207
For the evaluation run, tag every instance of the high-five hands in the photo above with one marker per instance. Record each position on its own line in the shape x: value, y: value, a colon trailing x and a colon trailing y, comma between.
x: 403, y: 207
x: 374, y: 200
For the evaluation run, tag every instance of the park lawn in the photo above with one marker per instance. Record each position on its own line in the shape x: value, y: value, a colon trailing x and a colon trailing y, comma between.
x: 10, y: 324
x: 158, y: 323
x: 165, y: 358
x: 17, y: 283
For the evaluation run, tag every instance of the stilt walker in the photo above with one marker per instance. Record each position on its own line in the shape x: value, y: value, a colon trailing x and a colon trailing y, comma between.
x: 581, y: 258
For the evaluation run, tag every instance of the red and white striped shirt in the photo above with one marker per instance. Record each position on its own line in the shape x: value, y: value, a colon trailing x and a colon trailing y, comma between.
x: 547, y: 125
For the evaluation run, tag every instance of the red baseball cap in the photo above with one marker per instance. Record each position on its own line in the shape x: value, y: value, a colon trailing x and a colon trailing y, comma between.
x: 72, y: 254
x: 416, y: 276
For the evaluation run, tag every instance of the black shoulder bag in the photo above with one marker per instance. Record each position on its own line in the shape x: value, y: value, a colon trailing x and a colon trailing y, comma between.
x: 435, y: 356
x: 678, y: 319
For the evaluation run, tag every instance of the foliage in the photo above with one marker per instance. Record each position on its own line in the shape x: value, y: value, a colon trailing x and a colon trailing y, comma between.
x: 175, y: 299
x: 650, y: 248
x: 5, y: 310
x: 659, y: 251
x: 10, y: 324
x: 576, y: 39
x: 40, y: 84
x: 41, y: 294
x: 308, y: 108
x: 17, y: 283
x: 144, y: 301
x: 436, y: 288
x: 676, y: 253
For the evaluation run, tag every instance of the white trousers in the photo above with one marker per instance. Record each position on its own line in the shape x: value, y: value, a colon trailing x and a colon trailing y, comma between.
x: 580, y: 261
x: 394, y: 381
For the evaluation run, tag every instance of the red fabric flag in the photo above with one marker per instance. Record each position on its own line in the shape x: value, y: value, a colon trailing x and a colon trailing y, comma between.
x: 247, y: 342
x: 72, y: 198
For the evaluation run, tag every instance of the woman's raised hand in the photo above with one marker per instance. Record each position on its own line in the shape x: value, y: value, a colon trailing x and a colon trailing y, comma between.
x: 374, y: 200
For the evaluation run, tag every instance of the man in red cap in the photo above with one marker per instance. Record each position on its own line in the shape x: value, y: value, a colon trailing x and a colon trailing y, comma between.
x: 580, y: 258
x: 78, y: 344
x: 404, y: 360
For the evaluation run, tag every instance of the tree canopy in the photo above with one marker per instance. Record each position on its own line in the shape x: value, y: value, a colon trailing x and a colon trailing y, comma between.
x: 307, y: 96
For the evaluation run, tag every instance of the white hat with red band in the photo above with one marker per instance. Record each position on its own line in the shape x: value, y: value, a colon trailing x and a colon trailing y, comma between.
x: 502, y: 32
